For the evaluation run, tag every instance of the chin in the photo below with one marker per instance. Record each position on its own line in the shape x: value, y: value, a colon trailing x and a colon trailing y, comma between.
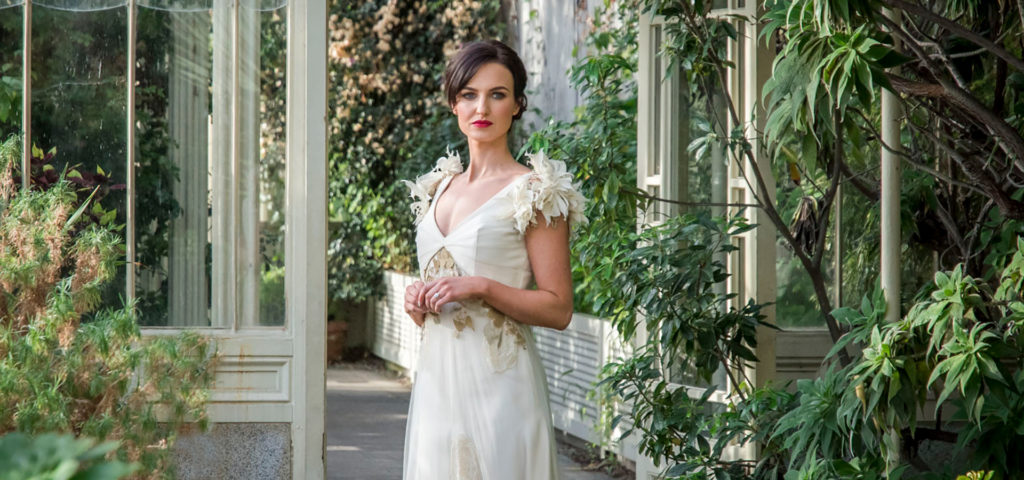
x: 483, y: 137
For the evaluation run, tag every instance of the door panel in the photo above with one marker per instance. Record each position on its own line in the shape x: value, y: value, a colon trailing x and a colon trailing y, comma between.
x: 268, y: 373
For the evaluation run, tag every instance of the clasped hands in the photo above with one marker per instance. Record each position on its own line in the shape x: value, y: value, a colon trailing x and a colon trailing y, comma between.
x: 423, y: 298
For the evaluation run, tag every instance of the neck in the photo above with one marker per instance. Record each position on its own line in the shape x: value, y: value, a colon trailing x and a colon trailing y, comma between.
x: 488, y: 158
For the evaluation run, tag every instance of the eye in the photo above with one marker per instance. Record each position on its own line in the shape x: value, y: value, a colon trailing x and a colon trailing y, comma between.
x: 469, y: 95
x: 498, y: 95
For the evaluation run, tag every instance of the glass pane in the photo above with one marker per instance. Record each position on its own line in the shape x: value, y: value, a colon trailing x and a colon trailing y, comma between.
x: 861, y: 252
x: 798, y: 191
x: 859, y: 237
x: 796, y: 304
x: 11, y: 28
x: 708, y: 161
x: 78, y: 109
x: 654, y: 159
x: 272, y: 165
x: 173, y: 206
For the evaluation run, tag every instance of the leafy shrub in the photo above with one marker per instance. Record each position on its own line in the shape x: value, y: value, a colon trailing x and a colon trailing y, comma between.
x: 695, y: 335
x: 58, y: 457
x: 65, y: 366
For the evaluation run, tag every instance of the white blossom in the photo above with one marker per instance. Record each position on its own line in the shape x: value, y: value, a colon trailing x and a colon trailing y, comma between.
x: 550, y: 191
x: 426, y: 185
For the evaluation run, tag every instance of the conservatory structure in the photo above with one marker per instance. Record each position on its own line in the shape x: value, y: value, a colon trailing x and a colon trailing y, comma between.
x: 208, y: 119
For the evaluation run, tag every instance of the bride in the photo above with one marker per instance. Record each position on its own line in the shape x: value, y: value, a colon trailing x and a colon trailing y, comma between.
x: 484, y: 236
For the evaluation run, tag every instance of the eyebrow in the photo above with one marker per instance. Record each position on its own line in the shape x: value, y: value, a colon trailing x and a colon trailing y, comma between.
x: 501, y: 87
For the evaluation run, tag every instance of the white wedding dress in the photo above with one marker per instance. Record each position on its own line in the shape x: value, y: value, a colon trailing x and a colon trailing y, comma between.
x: 479, y: 407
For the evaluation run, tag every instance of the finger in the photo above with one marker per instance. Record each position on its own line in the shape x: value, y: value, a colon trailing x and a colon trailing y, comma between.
x: 412, y: 297
x: 431, y: 299
x: 428, y: 292
x: 439, y: 299
x: 422, y: 294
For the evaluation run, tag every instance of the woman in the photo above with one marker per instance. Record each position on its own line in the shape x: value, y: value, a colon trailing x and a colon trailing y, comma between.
x: 479, y: 407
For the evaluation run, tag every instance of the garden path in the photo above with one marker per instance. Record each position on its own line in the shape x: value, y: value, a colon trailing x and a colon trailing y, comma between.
x: 366, y: 413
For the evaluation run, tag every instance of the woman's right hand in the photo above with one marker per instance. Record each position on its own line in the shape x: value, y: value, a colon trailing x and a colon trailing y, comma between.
x: 412, y: 306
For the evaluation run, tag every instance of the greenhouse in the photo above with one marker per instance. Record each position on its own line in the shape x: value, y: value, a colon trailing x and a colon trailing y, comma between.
x: 800, y: 252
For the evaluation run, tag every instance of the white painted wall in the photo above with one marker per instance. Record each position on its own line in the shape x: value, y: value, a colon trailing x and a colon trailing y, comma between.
x: 546, y: 32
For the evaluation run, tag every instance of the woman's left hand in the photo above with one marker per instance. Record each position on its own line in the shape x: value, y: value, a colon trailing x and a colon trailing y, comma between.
x: 449, y: 289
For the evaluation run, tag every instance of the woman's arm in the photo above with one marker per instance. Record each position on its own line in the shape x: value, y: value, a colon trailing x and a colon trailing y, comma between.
x: 550, y: 305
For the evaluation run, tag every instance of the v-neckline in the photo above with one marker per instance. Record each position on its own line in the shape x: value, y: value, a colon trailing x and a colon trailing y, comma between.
x: 444, y: 188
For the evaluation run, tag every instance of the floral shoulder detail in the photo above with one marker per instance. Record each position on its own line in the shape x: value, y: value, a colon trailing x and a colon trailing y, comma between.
x: 426, y: 185
x: 550, y: 191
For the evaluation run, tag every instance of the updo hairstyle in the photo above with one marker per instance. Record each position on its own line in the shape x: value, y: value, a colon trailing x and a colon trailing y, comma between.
x: 471, y: 57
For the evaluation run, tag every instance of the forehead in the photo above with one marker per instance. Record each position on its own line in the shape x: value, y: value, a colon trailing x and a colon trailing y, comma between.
x: 491, y: 75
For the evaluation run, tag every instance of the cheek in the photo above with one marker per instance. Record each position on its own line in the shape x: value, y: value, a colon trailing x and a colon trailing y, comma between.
x: 509, y: 107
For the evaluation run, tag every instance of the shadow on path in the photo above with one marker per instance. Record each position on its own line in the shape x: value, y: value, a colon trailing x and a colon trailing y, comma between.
x: 366, y: 413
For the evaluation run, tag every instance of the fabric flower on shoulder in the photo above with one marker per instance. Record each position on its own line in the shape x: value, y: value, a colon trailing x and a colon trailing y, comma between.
x: 550, y: 191
x: 426, y: 185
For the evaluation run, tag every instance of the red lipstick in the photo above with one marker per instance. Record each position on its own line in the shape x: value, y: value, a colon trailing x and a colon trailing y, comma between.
x: 482, y: 123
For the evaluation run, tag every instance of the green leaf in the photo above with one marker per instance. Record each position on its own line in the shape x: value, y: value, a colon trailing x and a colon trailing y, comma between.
x: 106, y: 471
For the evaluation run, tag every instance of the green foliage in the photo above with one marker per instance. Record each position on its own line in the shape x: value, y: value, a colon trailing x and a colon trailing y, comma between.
x: 390, y: 123
x: 58, y: 457
x: 600, y: 142
x: 10, y: 99
x: 961, y: 215
x: 961, y: 342
x: 67, y: 364
x: 696, y: 335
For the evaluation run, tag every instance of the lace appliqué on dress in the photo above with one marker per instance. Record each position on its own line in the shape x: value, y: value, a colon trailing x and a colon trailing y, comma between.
x: 442, y: 264
x: 504, y: 338
x: 465, y: 465
x: 550, y: 191
x: 425, y: 185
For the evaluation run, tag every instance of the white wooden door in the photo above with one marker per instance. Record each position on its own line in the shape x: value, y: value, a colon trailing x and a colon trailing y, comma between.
x: 266, y: 375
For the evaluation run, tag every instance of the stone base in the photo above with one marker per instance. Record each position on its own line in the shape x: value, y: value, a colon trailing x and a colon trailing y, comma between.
x: 249, y: 451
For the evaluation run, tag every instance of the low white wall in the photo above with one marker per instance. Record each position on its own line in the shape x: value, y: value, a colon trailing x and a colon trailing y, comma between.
x: 393, y: 335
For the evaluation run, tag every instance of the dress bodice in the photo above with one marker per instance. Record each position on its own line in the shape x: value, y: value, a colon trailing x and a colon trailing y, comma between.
x: 489, y: 241
x: 485, y: 243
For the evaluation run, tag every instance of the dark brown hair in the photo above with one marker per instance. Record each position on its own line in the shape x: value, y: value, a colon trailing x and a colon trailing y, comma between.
x: 472, y: 56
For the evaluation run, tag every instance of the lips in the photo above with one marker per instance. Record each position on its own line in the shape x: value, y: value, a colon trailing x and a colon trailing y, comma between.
x: 482, y: 123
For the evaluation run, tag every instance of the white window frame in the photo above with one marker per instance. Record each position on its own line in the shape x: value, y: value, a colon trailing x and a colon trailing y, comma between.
x: 661, y: 152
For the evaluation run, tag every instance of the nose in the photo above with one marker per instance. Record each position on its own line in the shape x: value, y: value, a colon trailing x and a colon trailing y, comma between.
x: 482, y: 105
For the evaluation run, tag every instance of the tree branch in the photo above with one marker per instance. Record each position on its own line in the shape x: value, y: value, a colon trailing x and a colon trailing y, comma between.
x: 858, y: 183
x: 1011, y: 143
x: 957, y: 29
x: 977, y: 172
